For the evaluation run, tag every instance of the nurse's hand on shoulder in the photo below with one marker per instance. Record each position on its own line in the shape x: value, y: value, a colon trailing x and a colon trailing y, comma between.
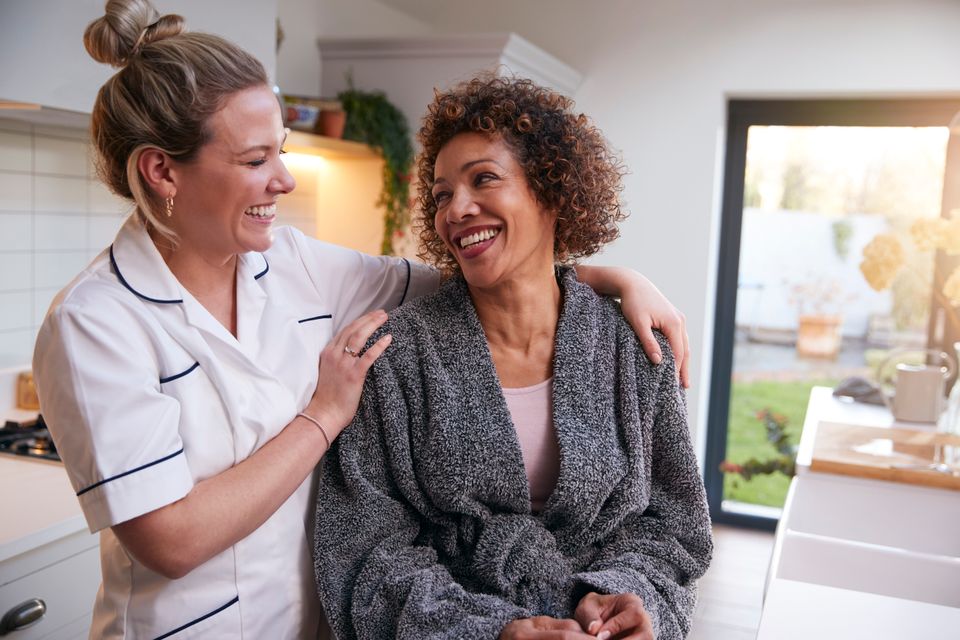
x: 543, y: 628
x: 343, y: 368
x: 645, y: 308
x: 223, y: 509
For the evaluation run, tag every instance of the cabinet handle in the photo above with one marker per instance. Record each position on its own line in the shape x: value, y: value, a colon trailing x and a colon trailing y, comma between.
x: 23, y: 615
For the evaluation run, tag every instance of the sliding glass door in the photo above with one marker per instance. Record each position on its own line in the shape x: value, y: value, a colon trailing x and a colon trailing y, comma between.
x: 824, y: 270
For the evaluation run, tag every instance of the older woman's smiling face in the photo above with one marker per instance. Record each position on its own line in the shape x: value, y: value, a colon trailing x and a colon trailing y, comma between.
x: 487, y: 214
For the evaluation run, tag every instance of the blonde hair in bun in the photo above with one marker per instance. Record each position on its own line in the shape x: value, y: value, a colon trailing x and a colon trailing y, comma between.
x: 125, y: 28
x: 169, y: 84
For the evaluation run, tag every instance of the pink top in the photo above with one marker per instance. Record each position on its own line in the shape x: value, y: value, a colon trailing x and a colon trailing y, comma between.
x: 531, y: 409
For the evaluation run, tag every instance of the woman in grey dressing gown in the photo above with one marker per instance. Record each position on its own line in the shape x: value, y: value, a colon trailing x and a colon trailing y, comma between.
x: 449, y: 511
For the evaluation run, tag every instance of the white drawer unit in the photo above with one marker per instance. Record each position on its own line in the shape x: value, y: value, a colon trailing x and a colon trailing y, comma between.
x: 59, y: 579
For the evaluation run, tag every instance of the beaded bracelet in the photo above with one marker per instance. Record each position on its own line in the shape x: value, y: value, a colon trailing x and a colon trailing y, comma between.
x: 319, y: 426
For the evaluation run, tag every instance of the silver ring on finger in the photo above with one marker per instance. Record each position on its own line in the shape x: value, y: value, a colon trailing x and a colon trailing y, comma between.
x: 351, y: 352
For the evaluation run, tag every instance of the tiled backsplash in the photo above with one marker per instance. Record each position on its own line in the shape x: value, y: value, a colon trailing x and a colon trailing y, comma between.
x: 55, y: 216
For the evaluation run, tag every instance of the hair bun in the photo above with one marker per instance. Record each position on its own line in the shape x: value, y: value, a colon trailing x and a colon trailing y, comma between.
x: 126, y: 27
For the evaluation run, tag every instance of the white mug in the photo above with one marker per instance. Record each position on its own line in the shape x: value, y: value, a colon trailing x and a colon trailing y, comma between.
x: 918, y: 389
x: 919, y: 395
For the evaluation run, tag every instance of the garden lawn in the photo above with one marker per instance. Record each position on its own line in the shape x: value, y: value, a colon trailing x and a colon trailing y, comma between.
x: 747, y: 437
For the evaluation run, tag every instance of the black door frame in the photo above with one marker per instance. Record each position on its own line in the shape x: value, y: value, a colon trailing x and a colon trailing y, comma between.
x: 741, y: 115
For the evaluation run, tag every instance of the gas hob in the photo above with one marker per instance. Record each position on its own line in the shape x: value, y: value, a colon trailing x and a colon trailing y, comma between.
x: 30, y: 440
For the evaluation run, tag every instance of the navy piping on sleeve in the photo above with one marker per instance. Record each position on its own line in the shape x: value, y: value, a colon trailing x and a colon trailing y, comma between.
x: 200, y: 619
x: 406, y: 287
x: 179, y: 375
x: 113, y: 263
x: 126, y: 473
x: 264, y: 272
x: 325, y: 316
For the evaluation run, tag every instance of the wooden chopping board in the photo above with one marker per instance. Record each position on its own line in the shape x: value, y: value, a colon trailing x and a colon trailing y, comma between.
x: 880, y: 453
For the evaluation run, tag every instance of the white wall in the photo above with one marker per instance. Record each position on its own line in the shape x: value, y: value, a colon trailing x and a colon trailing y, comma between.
x: 42, y: 59
x: 304, y: 21
x: 55, y: 217
x: 783, y: 250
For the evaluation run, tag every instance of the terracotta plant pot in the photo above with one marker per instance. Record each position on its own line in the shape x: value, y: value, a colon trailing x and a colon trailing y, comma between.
x: 818, y: 336
x: 331, y: 123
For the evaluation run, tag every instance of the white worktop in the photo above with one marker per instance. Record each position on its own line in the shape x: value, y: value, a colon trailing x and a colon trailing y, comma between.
x: 39, y: 505
x: 823, y: 407
x: 800, y: 611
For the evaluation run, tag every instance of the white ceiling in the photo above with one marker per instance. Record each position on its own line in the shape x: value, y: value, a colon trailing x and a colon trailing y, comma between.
x: 575, y: 30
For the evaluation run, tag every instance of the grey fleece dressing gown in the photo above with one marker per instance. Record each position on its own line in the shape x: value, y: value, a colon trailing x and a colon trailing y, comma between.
x: 424, y: 528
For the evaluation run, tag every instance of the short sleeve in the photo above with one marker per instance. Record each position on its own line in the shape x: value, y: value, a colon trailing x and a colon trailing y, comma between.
x: 116, y: 432
x: 358, y: 282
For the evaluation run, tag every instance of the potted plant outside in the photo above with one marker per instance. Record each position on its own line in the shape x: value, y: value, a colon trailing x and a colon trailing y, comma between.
x: 819, y: 321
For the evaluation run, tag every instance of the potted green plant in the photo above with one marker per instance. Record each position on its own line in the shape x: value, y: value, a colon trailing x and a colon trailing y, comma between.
x: 374, y: 120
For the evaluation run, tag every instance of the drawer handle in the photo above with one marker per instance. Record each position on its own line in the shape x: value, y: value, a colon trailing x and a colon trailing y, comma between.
x: 23, y: 615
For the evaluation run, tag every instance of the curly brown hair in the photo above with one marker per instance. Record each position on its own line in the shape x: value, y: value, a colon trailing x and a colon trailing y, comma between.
x: 566, y: 159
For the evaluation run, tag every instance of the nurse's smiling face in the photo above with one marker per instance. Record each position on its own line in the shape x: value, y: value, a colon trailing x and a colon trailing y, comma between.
x: 226, y: 197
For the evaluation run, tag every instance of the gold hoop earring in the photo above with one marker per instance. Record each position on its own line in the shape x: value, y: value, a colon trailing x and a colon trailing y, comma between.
x: 170, y: 207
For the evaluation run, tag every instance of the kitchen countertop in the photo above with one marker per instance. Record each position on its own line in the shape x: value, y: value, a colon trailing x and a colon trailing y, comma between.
x: 40, y: 504
x: 799, y: 611
x: 858, y: 557
x: 823, y: 407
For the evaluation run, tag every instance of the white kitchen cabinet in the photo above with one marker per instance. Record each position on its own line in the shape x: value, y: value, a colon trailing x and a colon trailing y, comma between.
x: 65, y: 575
x: 46, y: 550
x: 408, y: 69
x: 856, y: 557
x: 796, y: 610
x: 42, y: 59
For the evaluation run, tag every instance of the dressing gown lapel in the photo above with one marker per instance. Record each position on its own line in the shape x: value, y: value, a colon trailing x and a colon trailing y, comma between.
x: 592, y: 460
x: 491, y: 473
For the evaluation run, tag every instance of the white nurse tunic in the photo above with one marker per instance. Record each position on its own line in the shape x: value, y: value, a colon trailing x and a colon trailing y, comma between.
x: 146, y: 394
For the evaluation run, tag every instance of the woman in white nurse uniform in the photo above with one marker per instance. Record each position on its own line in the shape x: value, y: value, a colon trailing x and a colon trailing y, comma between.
x: 179, y: 371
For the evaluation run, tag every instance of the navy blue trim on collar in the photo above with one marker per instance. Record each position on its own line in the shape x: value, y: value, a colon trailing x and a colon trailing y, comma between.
x: 200, y: 619
x: 264, y: 272
x: 123, y: 281
x: 406, y: 287
x: 126, y: 473
x: 179, y: 375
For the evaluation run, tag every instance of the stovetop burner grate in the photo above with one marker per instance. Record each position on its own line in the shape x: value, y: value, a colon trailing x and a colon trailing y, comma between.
x: 28, y: 441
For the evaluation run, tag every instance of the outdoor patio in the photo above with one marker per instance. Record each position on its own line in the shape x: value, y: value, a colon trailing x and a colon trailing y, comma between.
x: 754, y: 361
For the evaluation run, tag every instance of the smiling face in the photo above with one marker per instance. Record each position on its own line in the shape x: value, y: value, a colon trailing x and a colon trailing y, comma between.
x: 487, y: 215
x: 226, y: 196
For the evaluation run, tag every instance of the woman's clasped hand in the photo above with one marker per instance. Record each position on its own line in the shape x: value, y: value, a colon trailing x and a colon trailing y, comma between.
x: 618, y: 616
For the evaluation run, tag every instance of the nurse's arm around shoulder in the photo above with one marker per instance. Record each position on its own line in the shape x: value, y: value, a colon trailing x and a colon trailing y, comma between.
x: 222, y: 510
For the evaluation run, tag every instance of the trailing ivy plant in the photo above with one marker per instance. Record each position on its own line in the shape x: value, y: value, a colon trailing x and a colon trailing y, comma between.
x: 374, y: 120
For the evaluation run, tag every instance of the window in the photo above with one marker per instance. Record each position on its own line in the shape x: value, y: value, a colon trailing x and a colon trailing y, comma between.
x: 808, y: 185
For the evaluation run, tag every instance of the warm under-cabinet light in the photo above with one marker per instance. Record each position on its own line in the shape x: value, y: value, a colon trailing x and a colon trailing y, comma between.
x: 18, y: 106
x: 304, y: 161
